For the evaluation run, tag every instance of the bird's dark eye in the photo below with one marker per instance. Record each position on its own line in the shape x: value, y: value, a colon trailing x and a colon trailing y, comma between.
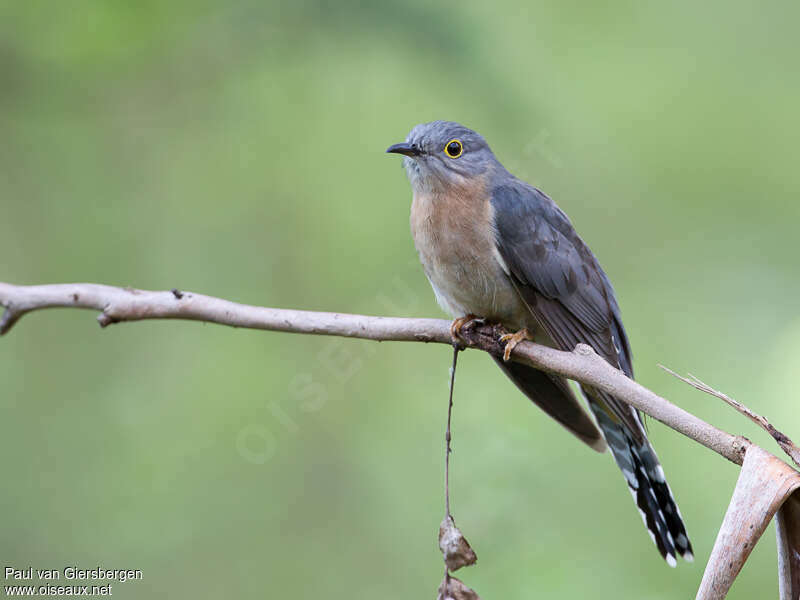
x: 453, y: 149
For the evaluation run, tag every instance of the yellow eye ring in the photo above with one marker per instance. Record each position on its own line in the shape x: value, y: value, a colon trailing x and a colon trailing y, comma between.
x: 453, y: 148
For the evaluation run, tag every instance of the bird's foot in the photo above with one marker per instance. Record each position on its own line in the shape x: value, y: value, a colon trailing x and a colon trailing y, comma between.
x: 462, y: 323
x: 512, y: 339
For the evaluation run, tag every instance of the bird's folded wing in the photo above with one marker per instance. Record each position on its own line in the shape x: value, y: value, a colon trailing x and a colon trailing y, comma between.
x: 561, y: 282
x: 553, y: 395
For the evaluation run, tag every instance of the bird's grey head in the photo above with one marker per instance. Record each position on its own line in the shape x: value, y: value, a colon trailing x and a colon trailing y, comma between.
x: 440, y: 154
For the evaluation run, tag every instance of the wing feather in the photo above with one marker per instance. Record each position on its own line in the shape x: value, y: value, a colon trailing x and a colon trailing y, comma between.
x: 561, y: 281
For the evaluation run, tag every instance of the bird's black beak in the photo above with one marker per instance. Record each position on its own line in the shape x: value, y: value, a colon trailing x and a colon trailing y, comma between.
x: 404, y: 148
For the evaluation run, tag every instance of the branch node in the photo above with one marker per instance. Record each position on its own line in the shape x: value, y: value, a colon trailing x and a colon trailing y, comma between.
x: 10, y: 316
x: 104, y: 319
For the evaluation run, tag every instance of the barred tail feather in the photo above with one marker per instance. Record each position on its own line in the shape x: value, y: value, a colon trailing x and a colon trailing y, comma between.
x: 645, y: 477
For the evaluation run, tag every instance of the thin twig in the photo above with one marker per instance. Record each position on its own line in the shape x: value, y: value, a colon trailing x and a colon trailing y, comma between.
x: 447, y: 450
x: 781, y: 438
x: 455, y: 548
x: 448, y: 436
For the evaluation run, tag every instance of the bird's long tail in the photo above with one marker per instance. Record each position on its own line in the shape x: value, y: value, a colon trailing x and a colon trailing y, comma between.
x: 645, y: 477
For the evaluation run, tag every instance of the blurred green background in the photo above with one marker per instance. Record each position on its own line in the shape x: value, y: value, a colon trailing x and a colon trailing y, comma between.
x: 236, y: 149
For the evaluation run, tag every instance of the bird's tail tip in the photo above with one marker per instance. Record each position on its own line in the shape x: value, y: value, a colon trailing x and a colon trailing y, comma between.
x: 648, y: 486
x: 659, y: 510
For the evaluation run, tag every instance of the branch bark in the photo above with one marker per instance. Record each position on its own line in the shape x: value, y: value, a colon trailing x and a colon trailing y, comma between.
x: 117, y: 305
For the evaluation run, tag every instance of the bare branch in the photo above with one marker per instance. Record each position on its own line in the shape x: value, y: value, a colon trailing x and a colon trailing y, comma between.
x: 583, y: 364
x: 781, y: 438
x: 118, y: 305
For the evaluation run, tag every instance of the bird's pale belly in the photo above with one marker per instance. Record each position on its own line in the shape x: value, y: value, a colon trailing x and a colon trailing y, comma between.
x: 459, y: 257
x: 470, y: 287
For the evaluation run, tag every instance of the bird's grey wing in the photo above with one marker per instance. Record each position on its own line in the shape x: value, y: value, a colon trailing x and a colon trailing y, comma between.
x: 561, y: 281
x: 571, y: 299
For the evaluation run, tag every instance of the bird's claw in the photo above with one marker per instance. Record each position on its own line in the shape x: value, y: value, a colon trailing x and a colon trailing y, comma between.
x: 461, y: 323
x: 512, y: 339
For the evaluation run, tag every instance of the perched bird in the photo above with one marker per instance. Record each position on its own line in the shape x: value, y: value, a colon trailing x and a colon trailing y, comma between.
x: 495, y: 248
